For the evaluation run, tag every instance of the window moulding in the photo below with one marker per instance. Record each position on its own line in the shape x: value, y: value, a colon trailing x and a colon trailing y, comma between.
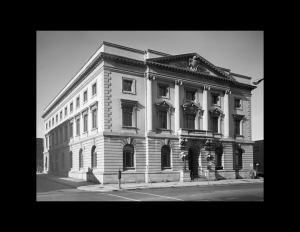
x: 133, y: 86
x: 160, y: 84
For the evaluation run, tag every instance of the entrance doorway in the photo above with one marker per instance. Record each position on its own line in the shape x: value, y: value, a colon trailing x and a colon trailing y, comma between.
x: 193, y: 160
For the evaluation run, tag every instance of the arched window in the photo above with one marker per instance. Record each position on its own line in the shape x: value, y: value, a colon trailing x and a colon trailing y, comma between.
x: 80, y: 158
x: 71, y: 159
x: 94, y: 157
x: 63, y: 161
x: 128, y: 156
x: 219, y: 152
x: 165, y: 156
x: 238, y: 157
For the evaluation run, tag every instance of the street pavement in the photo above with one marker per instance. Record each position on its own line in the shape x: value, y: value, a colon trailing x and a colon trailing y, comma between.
x: 92, y: 187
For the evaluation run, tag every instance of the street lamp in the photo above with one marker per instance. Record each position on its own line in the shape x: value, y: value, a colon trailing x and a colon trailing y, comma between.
x: 209, y: 158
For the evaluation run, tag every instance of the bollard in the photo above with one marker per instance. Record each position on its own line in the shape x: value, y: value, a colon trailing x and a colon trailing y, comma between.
x: 119, y: 177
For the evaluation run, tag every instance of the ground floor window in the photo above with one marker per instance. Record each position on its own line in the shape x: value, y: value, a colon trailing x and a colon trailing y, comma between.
x: 128, y: 156
x: 165, y: 156
x: 80, y: 158
x: 94, y: 157
x: 71, y: 159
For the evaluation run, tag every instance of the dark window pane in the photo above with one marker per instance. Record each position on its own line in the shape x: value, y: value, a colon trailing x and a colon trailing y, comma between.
x: 163, y: 119
x: 190, y: 96
x: 127, y: 116
x: 215, y: 124
x: 94, y: 89
x: 127, y: 85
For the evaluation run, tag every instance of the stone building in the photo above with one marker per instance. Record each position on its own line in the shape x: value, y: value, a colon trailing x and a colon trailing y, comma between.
x: 139, y: 111
x: 39, y: 154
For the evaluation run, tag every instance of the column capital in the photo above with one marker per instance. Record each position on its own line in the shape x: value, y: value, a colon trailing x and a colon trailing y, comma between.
x: 206, y: 88
x: 178, y: 82
x: 227, y: 91
x: 149, y: 76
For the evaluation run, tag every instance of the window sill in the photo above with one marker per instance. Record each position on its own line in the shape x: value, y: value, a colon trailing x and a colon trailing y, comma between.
x: 219, y: 167
x: 84, y: 102
x: 95, y: 128
x: 163, y: 129
x: 164, y: 97
x: 128, y: 92
x: 77, y: 107
x: 130, y: 127
x: 166, y: 168
x: 128, y: 169
x: 218, y: 105
x: 94, y: 95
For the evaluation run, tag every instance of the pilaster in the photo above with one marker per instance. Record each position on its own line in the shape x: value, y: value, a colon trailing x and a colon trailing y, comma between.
x: 149, y: 103
x: 226, y: 112
x: 205, y: 107
x: 178, y: 83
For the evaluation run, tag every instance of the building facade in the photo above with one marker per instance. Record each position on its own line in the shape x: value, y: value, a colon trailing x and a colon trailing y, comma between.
x: 140, y: 111
x: 39, y: 154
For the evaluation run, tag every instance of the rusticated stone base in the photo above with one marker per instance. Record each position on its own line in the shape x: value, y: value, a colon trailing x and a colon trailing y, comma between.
x: 185, y: 175
x: 232, y: 174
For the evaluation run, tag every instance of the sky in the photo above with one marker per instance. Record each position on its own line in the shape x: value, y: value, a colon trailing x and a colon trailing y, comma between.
x: 61, y: 54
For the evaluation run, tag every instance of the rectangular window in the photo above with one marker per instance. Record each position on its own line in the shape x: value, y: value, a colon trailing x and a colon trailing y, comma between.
x: 85, y: 118
x: 237, y: 126
x: 238, y: 103
x: 94, y: 116
x: 127, y: 116
x: 46, y: 141
x: 60, y: 115
x: 71, y: 130
x: 190, y: 96
x: 163, y: 91
x: 85, y: 96
x: 49, y: 123
x: 46, y: 126
x: 215, y: 124
x: 127, y: 85
x: 162, y: 119
x: 77, y: 126
x: 77, y: 102
x: 56, y: 118
x: 66, y: 111
x: 52, y: 121
x: 94, y: 89
x: 71, y: 107
x: 190, y: 121
x: 215, y: 99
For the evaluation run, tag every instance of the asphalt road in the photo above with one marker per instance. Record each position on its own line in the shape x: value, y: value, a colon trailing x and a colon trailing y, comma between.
x: 51, y: 191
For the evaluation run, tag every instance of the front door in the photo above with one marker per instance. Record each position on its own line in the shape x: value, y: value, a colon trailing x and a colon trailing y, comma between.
x: 191, y: 160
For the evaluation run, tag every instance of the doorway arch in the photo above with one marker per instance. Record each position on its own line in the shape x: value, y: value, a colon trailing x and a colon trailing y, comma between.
x: 193, y: 157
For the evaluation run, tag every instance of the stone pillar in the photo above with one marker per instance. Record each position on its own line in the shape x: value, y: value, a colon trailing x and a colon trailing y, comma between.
x: 177, y: 105
x: 169, y: 119
x: 149, y: 103
x: 197, y: 121
x: 205, y: 108
x: 226, y: 113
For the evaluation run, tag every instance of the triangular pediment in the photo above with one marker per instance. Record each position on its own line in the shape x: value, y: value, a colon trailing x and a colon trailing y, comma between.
x: 191, y: 62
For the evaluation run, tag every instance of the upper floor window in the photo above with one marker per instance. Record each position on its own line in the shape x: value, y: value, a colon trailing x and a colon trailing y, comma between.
x: 215, y: 124
x: 77, y: 102
x: 163, y: 90
x: 60, y: 115
x: 49, y: 123
x: 128, y: 85
x: 52, y: 121
x: 85, y: 122
x: 190, y: 121
x: 190, y: 96
x: 56, y: 118
x: 78, y: 126
x: 127, y: 116
x: 162, y: 118
x: 215, y: 99
x: 66, y: 111
x: 80, y: 158
x: 128, y: 112
x: 94, y: 89
x: 238, y: 103
x: 85, y: 96
x: 94, y: 118
x: 71, y: 107
x: 237, y: 127
x: 71, y: 129
x: 46, y: 126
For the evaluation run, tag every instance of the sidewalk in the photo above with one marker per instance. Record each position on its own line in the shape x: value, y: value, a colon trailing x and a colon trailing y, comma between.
x: 90, y: 186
